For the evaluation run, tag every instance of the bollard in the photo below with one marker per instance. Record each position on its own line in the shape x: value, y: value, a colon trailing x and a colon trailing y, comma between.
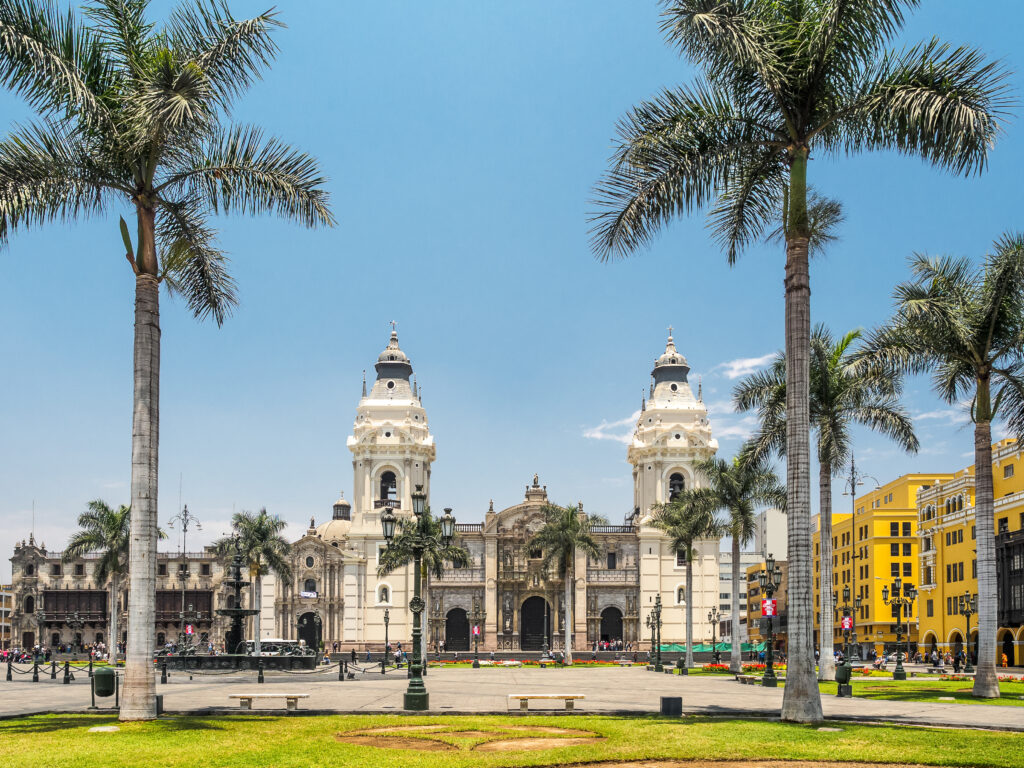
x: 67, y: 672
x: 35, y: 669
x: 9, y: 678
x: 90, y: 667
x: 259, y: 675
x: 163, y: 672
x: 341, y: 671
x: 53, y: 669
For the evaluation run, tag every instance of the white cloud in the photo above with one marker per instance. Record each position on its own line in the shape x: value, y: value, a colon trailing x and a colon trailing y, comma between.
x: 744, y: 366
x: 951, y: 415
x: 620, y: 431
x: 741, y: 429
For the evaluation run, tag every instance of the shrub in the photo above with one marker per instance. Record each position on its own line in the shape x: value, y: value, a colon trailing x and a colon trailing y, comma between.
x: 715, y: 667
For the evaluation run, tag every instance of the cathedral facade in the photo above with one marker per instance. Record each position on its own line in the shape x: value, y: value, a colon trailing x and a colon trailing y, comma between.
x: 335, y: 595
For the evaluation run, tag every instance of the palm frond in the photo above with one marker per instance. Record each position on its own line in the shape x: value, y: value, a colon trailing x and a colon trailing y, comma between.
x: 237, y: 169
x: 193, y: 265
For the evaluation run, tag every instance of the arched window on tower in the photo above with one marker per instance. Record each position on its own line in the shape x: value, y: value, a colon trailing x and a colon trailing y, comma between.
x: 676, y: 485
x: 388, y: 486
x: 30, y: 604
x: 309, y: 585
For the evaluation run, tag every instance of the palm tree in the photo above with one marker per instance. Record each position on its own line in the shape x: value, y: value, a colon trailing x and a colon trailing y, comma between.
x: 132, y: 114
x: 782, y: 80
x: 688, y: 517
x: 739, y: 487
x: 106, y: 532
x: 263, y: 549
x: 840, y: 396
x: 566, y: 531
x: 434, y: 560
x: 964, y: 325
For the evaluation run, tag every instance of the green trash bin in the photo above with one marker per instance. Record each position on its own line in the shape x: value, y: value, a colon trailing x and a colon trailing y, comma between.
x: 103, y: 681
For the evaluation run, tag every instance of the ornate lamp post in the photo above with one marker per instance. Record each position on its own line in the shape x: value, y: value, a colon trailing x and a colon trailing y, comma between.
x: 715, y: 618
x: 654, y: 622
x: 968, y: 606
x: 416, y: 696
x: 185, y: 519
x: 476, y: 633
x: 844, y: 673
x: 387, y: 620
x: 770, y: 579
x: 851, y: 482
x: 902, y: 595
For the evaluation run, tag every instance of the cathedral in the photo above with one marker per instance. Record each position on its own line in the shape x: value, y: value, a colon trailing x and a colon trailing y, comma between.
x: 334, y: 594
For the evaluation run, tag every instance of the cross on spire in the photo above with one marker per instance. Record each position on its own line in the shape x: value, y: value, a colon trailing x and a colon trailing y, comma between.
x: 393, y: 328
x: 670, y: 331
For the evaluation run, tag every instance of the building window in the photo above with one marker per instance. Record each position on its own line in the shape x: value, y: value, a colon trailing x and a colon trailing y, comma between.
x: 906, y: 529
x: 309, y: 585
x: 611, y: 561
x: 161, y: 569
x: 1008, y: 471
x: 30, y: 604
x: 974, y: 569
x: 974, y: 533
x: 680, y: 558
x: 894, y: 569
x: 204, y: 569
x: 79, y: 569
x: 907, y: 569
x: 1004, y: 525
x: 30, y: 569
x: 906, y: 549
x: 309, y: 562
x: 960, y: 569
x: 55, y: 569
x: 930, y: 608
x: 894, y: 529
x: 894, y: 549
x: 676, y: 485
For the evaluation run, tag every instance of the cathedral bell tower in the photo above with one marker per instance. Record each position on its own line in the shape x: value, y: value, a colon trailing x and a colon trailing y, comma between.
x: 671, y: 434
x: 392, y: 448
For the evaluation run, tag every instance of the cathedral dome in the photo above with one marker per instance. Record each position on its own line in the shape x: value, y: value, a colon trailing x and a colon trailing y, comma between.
x: 334, y: 530
x: 392, y: 352
x: 670, y: 356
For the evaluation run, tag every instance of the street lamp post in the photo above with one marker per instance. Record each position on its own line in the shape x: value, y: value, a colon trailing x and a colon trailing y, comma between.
x: 968, y: 606
x: 186, y: 519
x: 416, y: 696
x: 770, y: 579
x: 903, y: 596
x: 387, y: 620
x: 845, y: 672
x: 476, y: 634
x: 654, y: 622
x: 851, y: 482
x: 715, y: 618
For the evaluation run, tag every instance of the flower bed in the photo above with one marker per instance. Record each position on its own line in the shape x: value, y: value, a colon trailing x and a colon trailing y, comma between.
x: 715, y: 667
x: 757, y: 667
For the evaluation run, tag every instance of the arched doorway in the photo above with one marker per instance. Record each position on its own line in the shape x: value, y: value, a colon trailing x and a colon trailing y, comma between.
x: 534, y: 619
x: 309, y: 630
x: 1007, y: 649
x: 456, y: 630
x: 611, y: 624
x: 956, y: 643
x: 28, y: 639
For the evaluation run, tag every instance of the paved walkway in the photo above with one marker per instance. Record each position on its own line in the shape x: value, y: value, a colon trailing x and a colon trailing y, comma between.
x: 629, y: 690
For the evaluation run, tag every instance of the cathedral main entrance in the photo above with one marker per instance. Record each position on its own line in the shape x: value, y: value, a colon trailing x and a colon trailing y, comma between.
x: 534, y: 624
x: 456, y: 630
x: 309, y: 630
x: 611, y: 625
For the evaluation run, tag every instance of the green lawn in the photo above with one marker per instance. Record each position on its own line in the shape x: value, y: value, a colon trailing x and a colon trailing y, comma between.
x: 1012, y: 694
x: 283, y: 742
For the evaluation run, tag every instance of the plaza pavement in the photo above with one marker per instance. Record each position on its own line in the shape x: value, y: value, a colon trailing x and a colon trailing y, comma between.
x: 476, y: 691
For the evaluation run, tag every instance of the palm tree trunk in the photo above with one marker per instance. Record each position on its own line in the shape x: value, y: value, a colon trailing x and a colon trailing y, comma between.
x: 827, y: 659
x: 139, y: 696
x: 736, y: 657
x: 689, y: 605
x: 568, y: 612
x: 112, y: 630
x: 986, y: 684
x: 801, y: 700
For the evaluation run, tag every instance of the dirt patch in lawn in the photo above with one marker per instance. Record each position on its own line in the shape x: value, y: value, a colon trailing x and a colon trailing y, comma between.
x: 744, y: 764
x: 548, y: 729
x: 399, y: 729
x: 526, y: 743
x: 395, y: 742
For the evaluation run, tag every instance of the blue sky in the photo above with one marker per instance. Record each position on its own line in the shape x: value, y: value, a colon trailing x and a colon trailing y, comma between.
x: 462, y: 140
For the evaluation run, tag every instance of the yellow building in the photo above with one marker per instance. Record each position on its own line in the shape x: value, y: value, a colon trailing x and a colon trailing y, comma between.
x: 6, y: 604
x: 871, y: 546
x: 948, y: 563
x: 754, y: 596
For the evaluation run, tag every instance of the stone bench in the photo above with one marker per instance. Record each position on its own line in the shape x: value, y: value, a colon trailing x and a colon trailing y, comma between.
x: 748, y: 679
x: 246, y: 699
x: 524, y: 699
